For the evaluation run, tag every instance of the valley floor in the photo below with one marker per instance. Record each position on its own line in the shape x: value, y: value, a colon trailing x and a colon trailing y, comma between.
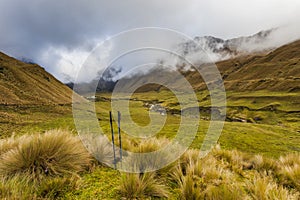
x: 257, y: 152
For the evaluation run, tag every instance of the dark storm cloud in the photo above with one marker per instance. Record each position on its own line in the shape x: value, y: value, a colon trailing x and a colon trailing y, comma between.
x: 59, y: 34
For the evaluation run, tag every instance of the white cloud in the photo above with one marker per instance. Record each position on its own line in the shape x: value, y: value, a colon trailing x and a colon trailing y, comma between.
x: 70, y: 64
x: 56, y: 33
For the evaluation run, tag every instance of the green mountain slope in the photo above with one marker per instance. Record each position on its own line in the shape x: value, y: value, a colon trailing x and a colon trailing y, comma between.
x: 278, y: 70
x: 24, y: 84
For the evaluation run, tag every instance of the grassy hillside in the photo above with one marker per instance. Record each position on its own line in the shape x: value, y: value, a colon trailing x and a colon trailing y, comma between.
x: 278, y: 70
x: 31, y: 99
x: 22, y: 83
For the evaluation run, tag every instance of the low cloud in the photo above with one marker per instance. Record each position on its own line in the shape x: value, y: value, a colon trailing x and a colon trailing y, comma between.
x: 60, y: 34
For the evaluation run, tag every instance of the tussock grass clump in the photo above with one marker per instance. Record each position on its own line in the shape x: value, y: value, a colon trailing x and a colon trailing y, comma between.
x: 145, y: 183
x: 265, y: 188
x: 128, y: 143
x: 288, y: 171
x: 99, y: 148
x: 188, y: 184
x: 235, y: 160
x: 229, y: 174
x: 139, y: 186
x: 200, y: 178
x: 17, y: 187
x: 263, y: 164
x: 8, y: 144
x: 21, y: 187
x: 145, y: 157
x: 150, y: 145
x: 189, y: 158
x: 231, y: 191
x: 289, y: 176
x: 54, y: 153
x: 189, y: 188
x: 290, y: 159
x: 55, y: 188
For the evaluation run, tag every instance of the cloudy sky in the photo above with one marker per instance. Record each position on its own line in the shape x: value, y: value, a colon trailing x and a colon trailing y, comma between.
x: 59, y: 34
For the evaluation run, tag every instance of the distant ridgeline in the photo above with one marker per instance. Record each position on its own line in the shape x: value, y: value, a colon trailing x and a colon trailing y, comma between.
x: 277, y: 70
x: 103, y: 85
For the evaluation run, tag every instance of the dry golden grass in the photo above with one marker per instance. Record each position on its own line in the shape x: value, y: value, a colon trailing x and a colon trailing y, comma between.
x: 263, y: 187
x: 139, y: 162
x: 8, y: 144
x: 48, y: 165
x: 99, y: 148
x: 140, y: 186
x: 23, y: 83
x: 149, y: 145
x: 54, y: 153
x: 225, y: 174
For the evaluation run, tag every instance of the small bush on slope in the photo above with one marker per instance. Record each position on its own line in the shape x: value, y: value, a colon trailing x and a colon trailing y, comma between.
x: 54, y: 153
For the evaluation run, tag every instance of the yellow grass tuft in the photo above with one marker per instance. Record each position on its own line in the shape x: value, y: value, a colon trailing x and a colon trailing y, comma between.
x: 54, y: 153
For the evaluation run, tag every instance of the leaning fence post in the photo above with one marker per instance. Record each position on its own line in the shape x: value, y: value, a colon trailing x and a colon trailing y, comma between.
x: 119, y: 132
x: 112, y: 137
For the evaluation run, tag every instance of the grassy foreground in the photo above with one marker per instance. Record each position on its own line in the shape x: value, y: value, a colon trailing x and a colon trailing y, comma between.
x: 55, y: 165
x: 254, y: 160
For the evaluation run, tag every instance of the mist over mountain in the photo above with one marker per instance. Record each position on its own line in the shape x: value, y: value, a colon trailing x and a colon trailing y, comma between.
x: 278, y: 70
x: 219, y: 49
x: 201, y: 51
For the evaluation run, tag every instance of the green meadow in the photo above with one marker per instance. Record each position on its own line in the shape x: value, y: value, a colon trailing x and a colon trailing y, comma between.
x: 257, y: 151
